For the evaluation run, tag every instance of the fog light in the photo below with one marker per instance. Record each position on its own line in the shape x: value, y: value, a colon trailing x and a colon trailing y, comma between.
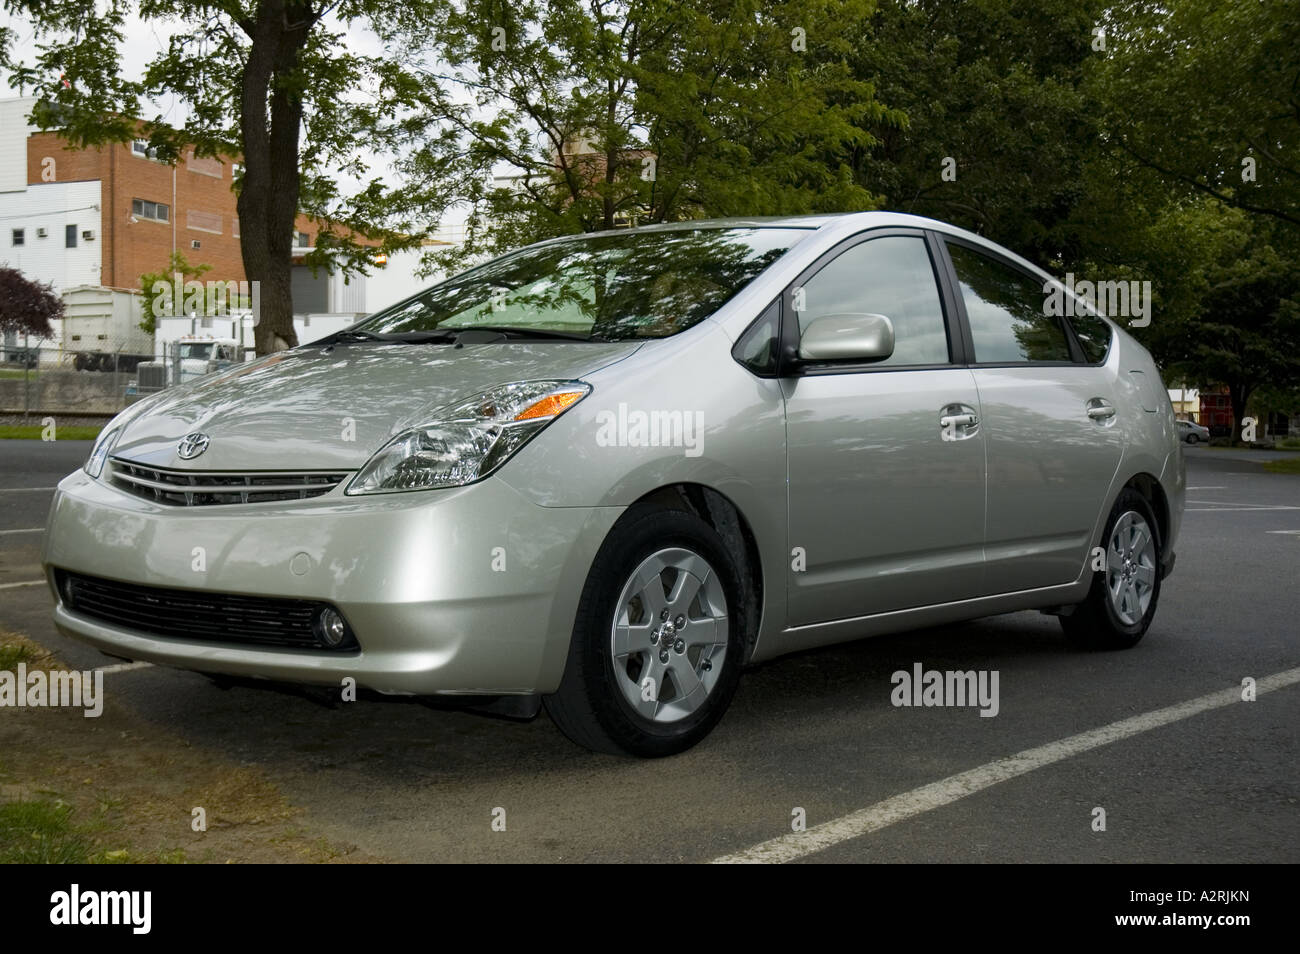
x: 331, y: 628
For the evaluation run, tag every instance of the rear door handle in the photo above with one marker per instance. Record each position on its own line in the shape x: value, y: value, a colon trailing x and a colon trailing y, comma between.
x: 1100, y: 410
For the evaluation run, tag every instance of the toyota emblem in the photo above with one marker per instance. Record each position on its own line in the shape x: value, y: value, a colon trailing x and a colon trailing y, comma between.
x: 192, y: 445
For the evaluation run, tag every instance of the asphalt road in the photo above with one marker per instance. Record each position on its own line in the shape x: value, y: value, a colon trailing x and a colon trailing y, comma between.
x: 815, y: 731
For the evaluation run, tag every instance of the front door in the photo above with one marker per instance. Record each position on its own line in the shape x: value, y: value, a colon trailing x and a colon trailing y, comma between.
x: 886, y: 462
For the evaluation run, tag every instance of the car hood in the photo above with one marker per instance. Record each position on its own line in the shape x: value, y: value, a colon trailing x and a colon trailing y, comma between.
x: 319, y: 409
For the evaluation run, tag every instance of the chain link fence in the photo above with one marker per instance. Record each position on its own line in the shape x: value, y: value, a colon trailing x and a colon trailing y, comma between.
x: 98, y: 378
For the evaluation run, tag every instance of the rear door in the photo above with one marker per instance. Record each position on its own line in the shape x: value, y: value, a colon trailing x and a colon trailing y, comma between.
x: 886, y: 503
x: 1048, y: 417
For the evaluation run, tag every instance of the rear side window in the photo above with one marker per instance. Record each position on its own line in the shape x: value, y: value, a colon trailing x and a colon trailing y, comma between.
x: 890, y: 276
x: 1093, y: 335
x: 1005, y: 307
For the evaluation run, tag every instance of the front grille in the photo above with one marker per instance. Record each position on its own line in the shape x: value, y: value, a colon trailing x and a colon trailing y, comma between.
x: 205, y: 487
x: 197, y: 614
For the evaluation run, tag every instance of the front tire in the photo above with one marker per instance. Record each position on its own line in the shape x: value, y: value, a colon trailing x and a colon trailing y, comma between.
x: 1122, y: 601
x: 659, y: 638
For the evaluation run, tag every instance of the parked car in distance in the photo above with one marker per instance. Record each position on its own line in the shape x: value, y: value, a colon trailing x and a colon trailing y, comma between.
x: 606, y: 472
x: 1191, y: 432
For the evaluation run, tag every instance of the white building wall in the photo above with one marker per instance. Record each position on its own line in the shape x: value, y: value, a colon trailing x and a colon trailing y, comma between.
x: 14, y: 131
x: 397, y: 280
x: 53, y: 206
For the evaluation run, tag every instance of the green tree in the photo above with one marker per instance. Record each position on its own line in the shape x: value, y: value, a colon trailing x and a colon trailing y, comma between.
x: 1207, y: 94
x: 608, y: 113
x: 178, y: 264
x: 1000, y: 129
x: 277, y: 82
x: 1234, y: 318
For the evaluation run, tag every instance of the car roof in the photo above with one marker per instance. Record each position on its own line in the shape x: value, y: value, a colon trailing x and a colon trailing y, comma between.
x: 858, y: 219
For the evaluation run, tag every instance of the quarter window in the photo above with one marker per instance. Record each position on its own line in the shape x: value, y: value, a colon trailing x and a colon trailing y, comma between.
x: 1093, y: 335
x: 890, y: 276
x: 1006, y: 307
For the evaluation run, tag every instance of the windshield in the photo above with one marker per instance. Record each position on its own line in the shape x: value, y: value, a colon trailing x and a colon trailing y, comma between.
x: 196, y: 350
x: 606, y: 287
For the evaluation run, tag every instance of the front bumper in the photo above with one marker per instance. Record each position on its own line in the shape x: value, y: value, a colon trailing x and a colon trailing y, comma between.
x: 463, y: 591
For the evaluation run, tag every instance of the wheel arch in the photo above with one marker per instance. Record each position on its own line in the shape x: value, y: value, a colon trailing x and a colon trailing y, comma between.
x: 1149, y: 487
x: 726, y: 518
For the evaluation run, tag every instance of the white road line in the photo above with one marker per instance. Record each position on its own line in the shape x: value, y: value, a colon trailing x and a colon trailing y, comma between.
x: 796, y: 845
x: 1283, y: 531
x: 10, y: 586
x: 1206, y: 488
x: 1230, y: 509
x: 32, y: 530
x: 25, y: 490
x: 125, y: 667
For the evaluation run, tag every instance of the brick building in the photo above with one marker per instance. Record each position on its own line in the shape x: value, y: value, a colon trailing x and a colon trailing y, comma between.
x: 134, y: 209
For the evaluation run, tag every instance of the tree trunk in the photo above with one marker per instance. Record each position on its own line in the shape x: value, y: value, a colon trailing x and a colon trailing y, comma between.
x: 270, y: 121
x: 1239, y: 393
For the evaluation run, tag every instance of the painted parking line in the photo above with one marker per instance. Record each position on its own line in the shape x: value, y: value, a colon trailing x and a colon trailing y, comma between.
x: 26, y: 490
x: 32, y: 530
x: 1292, y: 532
x: 797, y: 845
x: 125, y: 667
x: 1231, y: 509
x: 10, y: 586
x: 1206, y: 488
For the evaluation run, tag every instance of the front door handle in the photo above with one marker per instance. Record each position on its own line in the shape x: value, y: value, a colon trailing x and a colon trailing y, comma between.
x: 958, y: 422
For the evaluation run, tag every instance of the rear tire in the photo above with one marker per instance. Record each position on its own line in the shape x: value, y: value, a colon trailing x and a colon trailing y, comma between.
x: 1122, y: 601
x: 659, y: 638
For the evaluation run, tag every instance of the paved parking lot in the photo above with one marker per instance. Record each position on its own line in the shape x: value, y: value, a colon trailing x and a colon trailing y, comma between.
x: 1213, y: 781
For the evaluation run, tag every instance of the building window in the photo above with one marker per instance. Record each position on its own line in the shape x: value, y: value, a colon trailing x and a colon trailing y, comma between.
x: 153, y: 211
x: 302, y: 240
x: 70, y: 236
x: 20, y: 237
x: 140, y: 147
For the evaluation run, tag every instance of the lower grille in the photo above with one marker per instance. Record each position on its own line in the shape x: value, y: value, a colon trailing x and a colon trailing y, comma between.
x: 199, y: 488
x: 199, y: 615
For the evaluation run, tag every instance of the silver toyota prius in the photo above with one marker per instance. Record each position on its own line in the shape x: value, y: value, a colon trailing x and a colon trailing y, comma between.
x: 606, y: 472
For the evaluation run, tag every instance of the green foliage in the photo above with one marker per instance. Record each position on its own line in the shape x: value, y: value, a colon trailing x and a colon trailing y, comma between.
x: 178, y: 264
x: 996, y: 88
x: 618, y: 113
x: 1193, y: 89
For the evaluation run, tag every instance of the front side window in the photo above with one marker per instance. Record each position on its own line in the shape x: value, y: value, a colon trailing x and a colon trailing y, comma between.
x: 1005, y: 307
x: 890, y: 276
x: 604, y: 287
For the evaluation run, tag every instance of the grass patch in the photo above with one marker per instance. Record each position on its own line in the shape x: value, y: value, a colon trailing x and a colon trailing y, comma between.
x: 64, y: 432
x: 41, y: 832
x: 1289, y: 466
x: 15, y: 649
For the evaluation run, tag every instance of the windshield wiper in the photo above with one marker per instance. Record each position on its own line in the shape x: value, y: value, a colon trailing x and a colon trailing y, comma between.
x: 510, y: 331
x: 400, y: 337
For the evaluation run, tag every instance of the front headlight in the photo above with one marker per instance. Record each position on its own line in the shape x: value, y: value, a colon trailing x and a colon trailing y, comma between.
x: 99, y: 453
x: 469, y: 440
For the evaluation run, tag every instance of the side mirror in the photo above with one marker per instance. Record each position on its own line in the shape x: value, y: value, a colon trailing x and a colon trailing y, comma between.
x: 847, y: 337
